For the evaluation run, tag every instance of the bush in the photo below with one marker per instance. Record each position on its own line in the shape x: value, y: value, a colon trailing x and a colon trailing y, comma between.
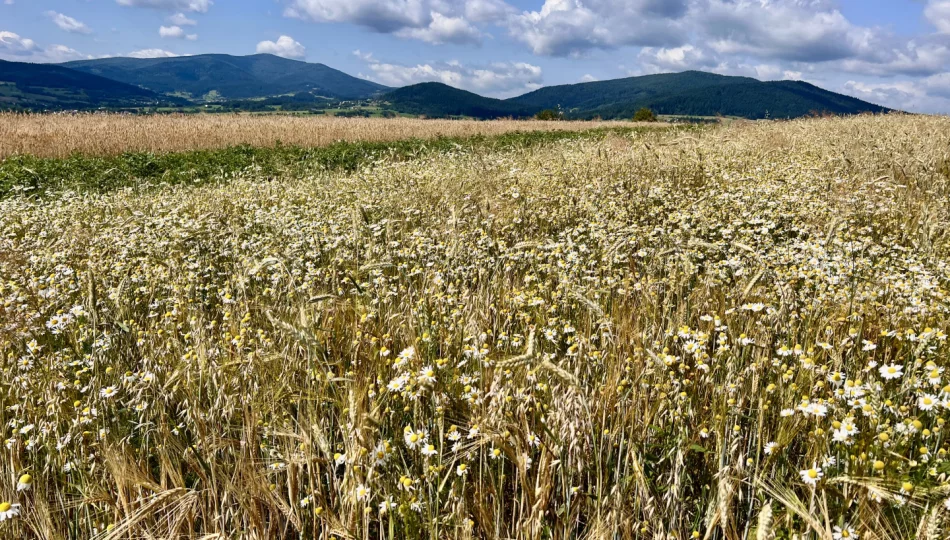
x: 549, y: 114
x: 644, y: 115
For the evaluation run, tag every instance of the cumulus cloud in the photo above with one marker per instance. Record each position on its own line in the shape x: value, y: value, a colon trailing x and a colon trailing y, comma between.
x: 62, y: 53
x: 180, y: 19
x: 152, y: 53
x: 573, y: 27
x: 682, y: 58
x: 442, y: 29
x: 175, y: 32
x: 912, y: 59
x: 67, y: 23
x: 432, y: 21
x: 500, y: 79
x: 285, y: 46
x: 200, y: 6
x: 938, y: 13
x: 794, y: 30
x: 386, y: 16
x: 17, y: 48
x: 14, y: 45
x: 930, y: 94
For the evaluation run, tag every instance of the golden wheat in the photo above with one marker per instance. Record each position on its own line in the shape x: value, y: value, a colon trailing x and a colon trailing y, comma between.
x: 62, y: 135
x: 738, y: 331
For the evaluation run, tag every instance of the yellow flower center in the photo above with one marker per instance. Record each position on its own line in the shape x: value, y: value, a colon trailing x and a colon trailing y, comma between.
x: 5, y: 506
x: 812, y: 473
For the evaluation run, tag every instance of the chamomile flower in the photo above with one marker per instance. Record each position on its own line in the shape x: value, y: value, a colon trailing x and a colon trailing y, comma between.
x: 426, y: 375
x: 24, y: 483
x: 811, y: 476
x: 844, y: 533
x: 891, y: 371
x: 8, y: 510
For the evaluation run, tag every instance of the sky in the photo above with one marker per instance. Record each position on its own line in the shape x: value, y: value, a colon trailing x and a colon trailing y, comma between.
x: 891, y: 52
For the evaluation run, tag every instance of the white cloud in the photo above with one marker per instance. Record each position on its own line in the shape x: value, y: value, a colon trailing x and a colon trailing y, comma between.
x: 488, y: 10
x: 685, y: 57
x: 200, y: 6
x: 384, y: 16
x: 432, y: 21
x: 938, y: 13
x: 285, y: 46
x: 175, y: 32
x: 587, y: 77
x: 68, y: 24
x: 928, y: 95
x: 500, y: 79
x: 62, y: 53
x: 913, y: 59
x: 14, y: 45
x: 180, y: 19
x: 21, y: 49
x: 152, y: 53
x: 444, y: 29
x: 573, y: 27
x: 793, y: 30
x: 899, y: 95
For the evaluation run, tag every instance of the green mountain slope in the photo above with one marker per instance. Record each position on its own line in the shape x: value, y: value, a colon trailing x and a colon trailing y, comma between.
x: 49, y: 87
x: 693, y: 93
x: 437, y: 100
x: 591, y: 95
x: 230, y: 77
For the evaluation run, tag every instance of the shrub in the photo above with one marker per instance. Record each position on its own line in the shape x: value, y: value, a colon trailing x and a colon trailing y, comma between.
x: 644, y: 115
x: 549, y: 114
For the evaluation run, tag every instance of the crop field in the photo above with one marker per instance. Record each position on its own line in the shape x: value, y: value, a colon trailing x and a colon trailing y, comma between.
x: 720, y: 332
x: 63, y: 135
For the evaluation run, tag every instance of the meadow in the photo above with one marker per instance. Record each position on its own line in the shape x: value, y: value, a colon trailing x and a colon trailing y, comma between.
x: 722, y: 332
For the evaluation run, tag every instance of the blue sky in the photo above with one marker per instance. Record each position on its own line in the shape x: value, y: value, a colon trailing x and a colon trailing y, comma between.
x: 892, y: 52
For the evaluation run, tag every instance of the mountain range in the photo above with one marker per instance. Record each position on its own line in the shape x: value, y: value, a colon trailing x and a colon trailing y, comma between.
x: 262, y: 78
x: 230, y: 77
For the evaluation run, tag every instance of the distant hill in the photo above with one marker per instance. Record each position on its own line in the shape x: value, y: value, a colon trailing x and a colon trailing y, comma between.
x: 439, y: 100
x: 267, y: 82
x: 693, y: 93
x: 48, y: 87
x: 230, y: 77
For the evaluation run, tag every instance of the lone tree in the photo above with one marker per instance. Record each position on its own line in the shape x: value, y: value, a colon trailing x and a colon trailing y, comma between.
x: 644, y: 115
x: 549, y: 114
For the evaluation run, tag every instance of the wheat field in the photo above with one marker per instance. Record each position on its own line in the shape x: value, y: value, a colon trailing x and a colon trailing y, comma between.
x: 63, y: 135
x: 731, y: 332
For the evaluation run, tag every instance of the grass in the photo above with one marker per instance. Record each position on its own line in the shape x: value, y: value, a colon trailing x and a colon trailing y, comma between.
x: 722, y: 333
x: 32, y: 174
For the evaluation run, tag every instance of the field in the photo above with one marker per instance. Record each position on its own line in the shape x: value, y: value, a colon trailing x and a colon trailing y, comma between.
x: 719, y: 332
x: 64, y: 135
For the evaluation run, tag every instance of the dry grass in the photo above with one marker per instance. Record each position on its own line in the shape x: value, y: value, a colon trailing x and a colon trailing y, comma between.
x: 109, y: 134
x: 735, y: 333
